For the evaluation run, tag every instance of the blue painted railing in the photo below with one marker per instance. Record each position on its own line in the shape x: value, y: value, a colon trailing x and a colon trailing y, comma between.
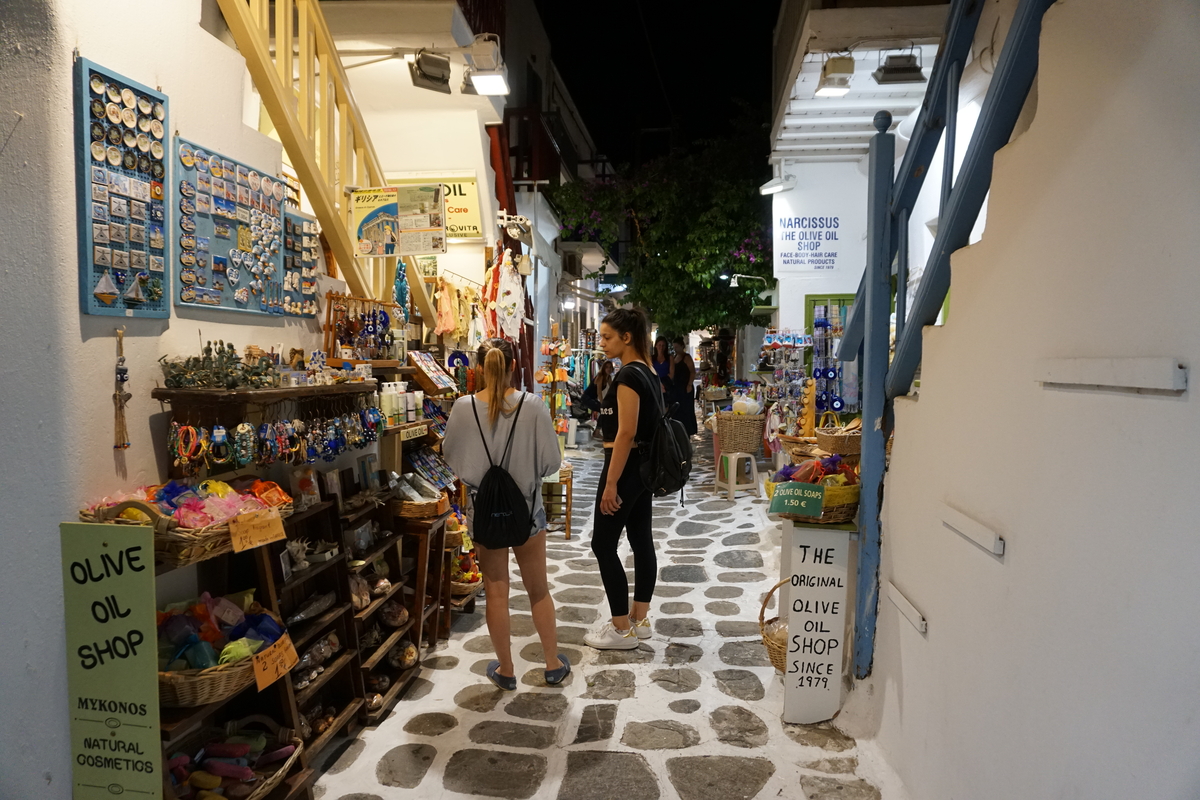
x: 889, y: 204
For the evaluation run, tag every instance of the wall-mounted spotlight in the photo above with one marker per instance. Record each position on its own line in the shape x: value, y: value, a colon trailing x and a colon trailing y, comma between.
x: 430, y: 71
x: 733, y: 284
x: 900, y: 68
x: 517, y: 226
x: 835, y: 77
x: 778, y: 184
x: 488, y: 82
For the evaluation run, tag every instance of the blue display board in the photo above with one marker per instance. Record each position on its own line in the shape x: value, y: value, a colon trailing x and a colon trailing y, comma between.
x: 300, y: 242
x: 229, y: 233
x: 123, y: 189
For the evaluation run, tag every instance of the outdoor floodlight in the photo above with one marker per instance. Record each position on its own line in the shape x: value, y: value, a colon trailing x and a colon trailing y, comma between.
x: 490, y: 82
x: 901, y: 68
x: 835, y: 77
x: 430, y: 71
x: 777, y: 184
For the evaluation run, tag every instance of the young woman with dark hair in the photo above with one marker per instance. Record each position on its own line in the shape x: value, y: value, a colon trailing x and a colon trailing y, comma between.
x: 534, y: 455
x: 683, y: 375
x: 628, y: 414
x: 662, y: 364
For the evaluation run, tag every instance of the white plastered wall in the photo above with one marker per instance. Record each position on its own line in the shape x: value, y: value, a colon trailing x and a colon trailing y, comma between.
x: 837, y: 189
x: 56, y: 399
x: 1067, y: 669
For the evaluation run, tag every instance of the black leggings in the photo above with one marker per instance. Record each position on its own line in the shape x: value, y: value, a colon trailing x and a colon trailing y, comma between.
x: 634, y: 516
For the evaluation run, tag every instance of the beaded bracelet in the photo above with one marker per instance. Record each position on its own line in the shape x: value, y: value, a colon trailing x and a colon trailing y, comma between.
x: 243, y: 444
x: 219, y: 449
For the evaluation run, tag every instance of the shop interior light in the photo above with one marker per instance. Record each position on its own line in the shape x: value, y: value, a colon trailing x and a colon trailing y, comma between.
x: 431, y: 71
x: 835, y: 77
x: 900, y: 68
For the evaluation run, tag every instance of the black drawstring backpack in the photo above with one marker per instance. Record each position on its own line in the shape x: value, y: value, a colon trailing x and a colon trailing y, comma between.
x: 502, y: 517
x: 667, y: 455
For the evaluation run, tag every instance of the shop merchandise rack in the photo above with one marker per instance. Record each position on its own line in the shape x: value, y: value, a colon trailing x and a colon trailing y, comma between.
x: 365, y: 330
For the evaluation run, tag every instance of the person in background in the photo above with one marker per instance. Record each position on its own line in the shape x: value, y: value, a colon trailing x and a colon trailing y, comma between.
x: 599, y: 385
x: 628, y: 415
x: 683, y: 376
x: 534, y: 455
x: 662, y: 365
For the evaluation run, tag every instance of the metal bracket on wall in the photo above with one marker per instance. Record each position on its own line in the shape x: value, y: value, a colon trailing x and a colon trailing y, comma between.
x: 1136, y: 375
x: 968, y: 528
x: 906, y: 608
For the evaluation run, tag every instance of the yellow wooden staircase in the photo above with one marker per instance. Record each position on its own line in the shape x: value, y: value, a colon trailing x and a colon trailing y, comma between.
x: 295, y: 66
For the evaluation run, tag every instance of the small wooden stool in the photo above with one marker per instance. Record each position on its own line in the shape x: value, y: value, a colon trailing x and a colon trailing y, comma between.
x: 557, y: 498
x: 730, y: 470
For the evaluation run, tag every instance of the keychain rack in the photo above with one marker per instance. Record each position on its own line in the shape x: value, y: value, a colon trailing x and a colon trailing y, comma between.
x: 371, y: 352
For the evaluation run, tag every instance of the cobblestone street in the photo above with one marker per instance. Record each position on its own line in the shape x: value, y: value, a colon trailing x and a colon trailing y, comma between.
x: 693, y: 713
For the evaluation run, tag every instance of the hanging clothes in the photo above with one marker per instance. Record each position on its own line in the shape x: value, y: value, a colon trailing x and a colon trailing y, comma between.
x: 462, y: 321
x: 447, y: 307
x: 509, y: 299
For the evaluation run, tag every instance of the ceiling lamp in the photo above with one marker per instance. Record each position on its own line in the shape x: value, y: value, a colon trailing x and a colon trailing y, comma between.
x: 430, y: 71
x: 835, y: 77
x: 901, y: 68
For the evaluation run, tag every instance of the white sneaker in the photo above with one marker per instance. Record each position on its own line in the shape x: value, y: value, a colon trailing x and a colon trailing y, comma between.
x: 608, y: 637
x: 641, y: 628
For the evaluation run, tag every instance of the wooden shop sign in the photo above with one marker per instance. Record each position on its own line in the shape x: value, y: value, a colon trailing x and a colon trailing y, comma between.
x: 112, y: 660
x: 255, y: 529
x: 802, y: 499
x: 272, y: 663
x: 415, y: 432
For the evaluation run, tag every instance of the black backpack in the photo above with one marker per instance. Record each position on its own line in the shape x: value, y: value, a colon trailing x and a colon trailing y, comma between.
x: 502, y: 517
x: 667, y: 456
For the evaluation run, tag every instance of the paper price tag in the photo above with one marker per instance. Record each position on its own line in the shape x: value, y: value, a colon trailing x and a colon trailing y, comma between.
x: 274, y: 662
x: 256, y: 529
x: 793, y: 497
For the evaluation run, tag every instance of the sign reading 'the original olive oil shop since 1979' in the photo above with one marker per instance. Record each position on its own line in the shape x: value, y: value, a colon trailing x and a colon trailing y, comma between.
x: 112, y: 660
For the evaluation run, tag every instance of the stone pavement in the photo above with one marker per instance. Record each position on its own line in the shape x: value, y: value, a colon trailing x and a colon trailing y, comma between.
x: 692, y: 714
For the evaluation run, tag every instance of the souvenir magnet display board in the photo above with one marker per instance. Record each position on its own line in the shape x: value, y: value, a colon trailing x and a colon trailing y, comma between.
x: 300, y: 243
x: 123, y: 189
x: 228, y: 229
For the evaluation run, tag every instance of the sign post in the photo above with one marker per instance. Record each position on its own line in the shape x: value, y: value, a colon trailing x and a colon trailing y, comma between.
x: 112, y: 660
x: 816, y: 615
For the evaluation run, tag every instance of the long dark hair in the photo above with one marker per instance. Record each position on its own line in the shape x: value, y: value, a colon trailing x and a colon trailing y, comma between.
x: 633, y: 322
x: 666, y: 348
x: 496, y: 361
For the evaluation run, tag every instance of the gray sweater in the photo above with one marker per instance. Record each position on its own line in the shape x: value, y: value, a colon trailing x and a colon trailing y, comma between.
x: 534, y: 454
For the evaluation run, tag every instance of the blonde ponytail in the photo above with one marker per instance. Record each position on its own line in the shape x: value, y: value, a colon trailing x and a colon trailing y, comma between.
x: 496, y: 360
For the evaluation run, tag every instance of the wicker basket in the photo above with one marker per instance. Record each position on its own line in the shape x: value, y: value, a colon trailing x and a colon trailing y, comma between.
x: 174, y: 546
x: 271, y: 776
x: 422, y: 510
x: 197, y: 687
x: 461, y: 589
x: 841, y: 505
x: 776, y: 647
x: 740, y: 433
x: 834, y: 440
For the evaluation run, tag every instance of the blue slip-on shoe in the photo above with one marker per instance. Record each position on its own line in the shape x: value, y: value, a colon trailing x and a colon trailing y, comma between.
x: 506, y: 682
x: 556, y: 676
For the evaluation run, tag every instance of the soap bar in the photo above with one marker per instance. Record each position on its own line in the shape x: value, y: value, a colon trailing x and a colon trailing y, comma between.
x: 275, y: 755
x: 204, y: 780
x: 257, y: 741
x: 227, y: 749
x: 228, y: 771
x: 237, y: 762
x: 239, y: 791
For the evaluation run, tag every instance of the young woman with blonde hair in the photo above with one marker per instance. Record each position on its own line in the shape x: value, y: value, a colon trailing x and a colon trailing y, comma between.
x: 515, y: 430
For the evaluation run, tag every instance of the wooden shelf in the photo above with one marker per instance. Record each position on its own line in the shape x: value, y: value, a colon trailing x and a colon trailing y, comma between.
x: 378, y: 500
x: 460, y: 601
x: 339, y: 722
x: 304, y: 575
x: 376, y: 363
x: 387, y: 644
x: 178, y: 723
x: 259, y: 396
x: 375, y: 605
x: 316, y: 508
x: 389, y: 698
x: 307, y: 693
x: 374, y: 553
x: 311, y: 629
x: 294, y: 786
